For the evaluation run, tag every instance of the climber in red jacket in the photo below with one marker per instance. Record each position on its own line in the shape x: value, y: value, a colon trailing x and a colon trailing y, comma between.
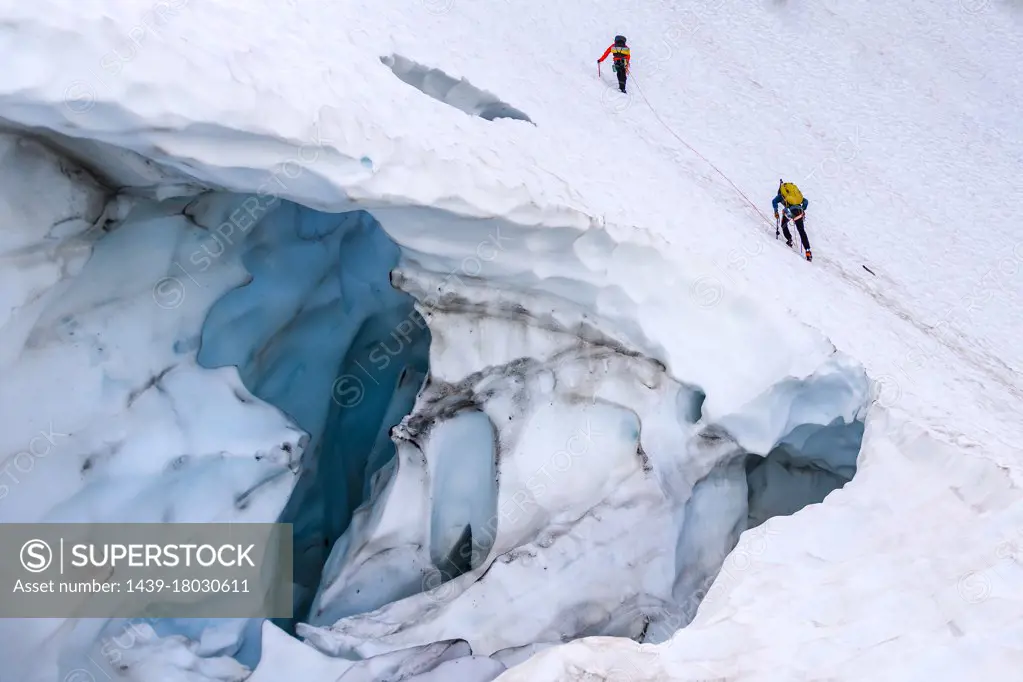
x: 621, y: 58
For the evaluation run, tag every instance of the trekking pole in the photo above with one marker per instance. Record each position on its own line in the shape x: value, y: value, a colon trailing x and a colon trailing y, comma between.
x: 777, y: 220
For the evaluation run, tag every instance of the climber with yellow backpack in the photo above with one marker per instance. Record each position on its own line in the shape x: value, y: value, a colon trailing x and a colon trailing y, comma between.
x: 794, y: 210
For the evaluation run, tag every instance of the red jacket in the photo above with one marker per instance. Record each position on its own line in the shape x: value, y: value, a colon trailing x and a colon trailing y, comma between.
x: 621, y: 54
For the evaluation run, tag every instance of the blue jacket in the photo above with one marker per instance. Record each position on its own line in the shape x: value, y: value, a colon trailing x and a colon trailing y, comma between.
x: 780, y: 200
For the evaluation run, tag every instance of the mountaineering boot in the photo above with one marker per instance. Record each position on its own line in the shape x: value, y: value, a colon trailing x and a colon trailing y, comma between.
x: 809, y: 256
x: 788, y: 243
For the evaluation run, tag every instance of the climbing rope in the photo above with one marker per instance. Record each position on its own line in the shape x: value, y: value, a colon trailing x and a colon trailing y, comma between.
x: 705, y: 159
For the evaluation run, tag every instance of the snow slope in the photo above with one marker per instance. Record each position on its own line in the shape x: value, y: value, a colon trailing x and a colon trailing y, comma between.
x: 903, y: 133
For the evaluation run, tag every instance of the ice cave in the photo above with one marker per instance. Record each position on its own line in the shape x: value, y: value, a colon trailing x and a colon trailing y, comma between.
x: 444, y: 433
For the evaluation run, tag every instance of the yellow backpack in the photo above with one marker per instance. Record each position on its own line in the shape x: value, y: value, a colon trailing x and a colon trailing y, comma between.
x: 791, y: 194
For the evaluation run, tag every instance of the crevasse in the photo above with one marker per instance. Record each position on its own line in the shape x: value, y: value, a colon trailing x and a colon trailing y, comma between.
x: 465, y: 420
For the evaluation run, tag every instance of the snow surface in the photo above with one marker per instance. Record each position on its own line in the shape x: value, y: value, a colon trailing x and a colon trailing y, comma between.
x: 599, y: 224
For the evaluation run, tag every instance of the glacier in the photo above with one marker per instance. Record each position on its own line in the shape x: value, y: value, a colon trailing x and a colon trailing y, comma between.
x: 533, y: 417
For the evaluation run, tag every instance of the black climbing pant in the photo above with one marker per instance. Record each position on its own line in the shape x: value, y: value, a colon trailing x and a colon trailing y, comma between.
x: 799, y: 226
x: 622, y: 76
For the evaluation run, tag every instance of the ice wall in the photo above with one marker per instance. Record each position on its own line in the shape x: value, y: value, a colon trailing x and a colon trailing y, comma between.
x: 147, y: 308
x: 618, y: 493
x: 107, y: 414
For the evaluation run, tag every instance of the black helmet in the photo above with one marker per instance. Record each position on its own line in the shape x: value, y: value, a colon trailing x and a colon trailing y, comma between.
x: 619, y: 40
